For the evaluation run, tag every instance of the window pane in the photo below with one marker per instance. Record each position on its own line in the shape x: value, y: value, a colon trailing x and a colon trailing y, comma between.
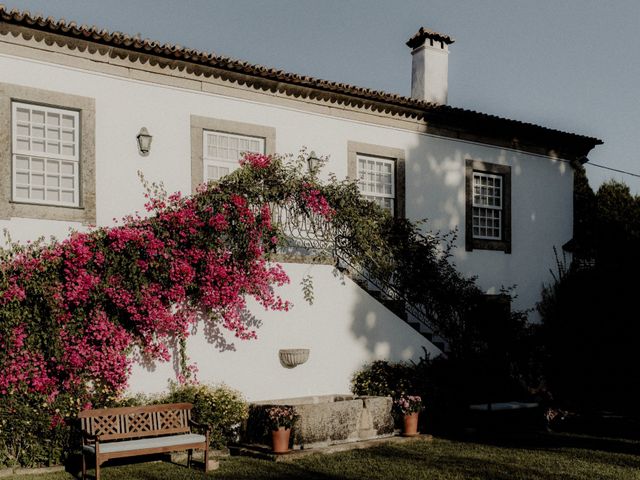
x: 37, y: 179
x: 53, y: 195
x: 22, y: 192
x: 53, y: 134
x: 222, y: 152
x: 23, y: 143
x: 68, y: 150
x: 37, y: 116
x: 53, y: 166
x: 38, y: 146
x: 22, y: 163
x: 53, y: 119
x: 376, y: 180
x: 68, y: 121
x: 37, y: 164
x: 37, y: 193
x: 53, y: 181
x: 22, y: 178
x: 68, y: 197
x: 22, y: 114
x: 42, y: 131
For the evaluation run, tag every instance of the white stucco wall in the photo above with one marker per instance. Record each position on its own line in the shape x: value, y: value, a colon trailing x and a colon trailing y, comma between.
x: 541, y: 207
x: 344, y: 328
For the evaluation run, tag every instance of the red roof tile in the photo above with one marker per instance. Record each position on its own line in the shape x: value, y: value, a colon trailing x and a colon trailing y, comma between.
x: 407, y: 106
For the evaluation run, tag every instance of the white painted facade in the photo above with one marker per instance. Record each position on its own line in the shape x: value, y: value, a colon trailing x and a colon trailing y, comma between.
x: 345, y: 327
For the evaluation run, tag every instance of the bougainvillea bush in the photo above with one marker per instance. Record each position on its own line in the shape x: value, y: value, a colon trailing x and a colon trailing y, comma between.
x: 74, y: 312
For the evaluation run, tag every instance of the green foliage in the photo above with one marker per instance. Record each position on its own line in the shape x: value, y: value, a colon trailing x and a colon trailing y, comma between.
x: 307, y: 288
x: 588, y: 330
x: 27, y: 437
x: 220, y: 407
x: 589, y: 334
x: 383, y: 378
x: 394, y: 250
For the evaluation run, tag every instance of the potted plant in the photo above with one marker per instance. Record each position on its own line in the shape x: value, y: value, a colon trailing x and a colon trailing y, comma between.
x: 409, y: 407
x: 281, y: 418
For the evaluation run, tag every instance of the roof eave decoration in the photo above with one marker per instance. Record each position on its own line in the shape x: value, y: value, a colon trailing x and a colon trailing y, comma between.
x: 449, y: 117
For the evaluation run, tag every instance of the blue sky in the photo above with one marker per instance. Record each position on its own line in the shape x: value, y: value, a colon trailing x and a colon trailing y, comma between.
x: 572, y: 65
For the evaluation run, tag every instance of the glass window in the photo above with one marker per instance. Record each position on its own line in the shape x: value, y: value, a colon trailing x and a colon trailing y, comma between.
x: 45, y: 155
x: 222, y: 152
x: 376, y: 180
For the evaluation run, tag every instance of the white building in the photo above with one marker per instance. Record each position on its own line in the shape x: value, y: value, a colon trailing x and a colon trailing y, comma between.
x: 73, y: 99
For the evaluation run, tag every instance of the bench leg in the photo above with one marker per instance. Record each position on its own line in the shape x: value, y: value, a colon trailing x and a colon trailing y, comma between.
x: 189, y: 455
x: 97, y: 470
x: 206, y: 458
x: 84, y: 466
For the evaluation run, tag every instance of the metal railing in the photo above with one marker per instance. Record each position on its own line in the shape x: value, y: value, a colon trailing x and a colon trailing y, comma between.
x: 417, y: 313
x: 313, y: 233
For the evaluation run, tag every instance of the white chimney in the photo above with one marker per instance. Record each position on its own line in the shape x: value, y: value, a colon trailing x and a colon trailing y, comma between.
x: 430, y: 66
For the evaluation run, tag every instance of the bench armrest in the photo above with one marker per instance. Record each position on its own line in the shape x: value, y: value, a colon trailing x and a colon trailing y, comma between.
x: 200, y: 426
x: 88, y: 436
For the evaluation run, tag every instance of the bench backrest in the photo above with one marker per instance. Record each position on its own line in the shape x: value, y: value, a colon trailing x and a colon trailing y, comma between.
x: 129, y: 422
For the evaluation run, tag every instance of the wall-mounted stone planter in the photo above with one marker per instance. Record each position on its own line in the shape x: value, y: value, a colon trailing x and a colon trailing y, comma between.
x: 292, y: 357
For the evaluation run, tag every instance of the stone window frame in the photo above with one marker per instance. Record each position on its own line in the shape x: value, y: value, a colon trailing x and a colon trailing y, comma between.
x: 396, y: 154
x: 85, y: 212
x: 199, y: 124
x: 504, y: 171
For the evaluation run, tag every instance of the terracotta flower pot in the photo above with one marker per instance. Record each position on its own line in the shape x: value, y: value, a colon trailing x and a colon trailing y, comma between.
x: 410, y: 424
x: 280, y: 439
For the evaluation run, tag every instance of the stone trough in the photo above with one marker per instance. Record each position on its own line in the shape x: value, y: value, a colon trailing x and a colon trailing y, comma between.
x: 326, y: 420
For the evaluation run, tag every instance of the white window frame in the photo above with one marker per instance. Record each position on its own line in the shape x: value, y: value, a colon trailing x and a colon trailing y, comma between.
x: 483, y: 204
x: 373, y: 196
x: 219, y: 162
x: 45, y: 156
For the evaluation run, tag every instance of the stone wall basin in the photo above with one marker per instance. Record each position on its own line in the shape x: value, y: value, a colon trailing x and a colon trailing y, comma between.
x: 326, y: 420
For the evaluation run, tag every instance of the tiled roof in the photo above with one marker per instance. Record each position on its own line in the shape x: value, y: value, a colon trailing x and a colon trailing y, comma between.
x: 423, y: 33
x: 437, y: 114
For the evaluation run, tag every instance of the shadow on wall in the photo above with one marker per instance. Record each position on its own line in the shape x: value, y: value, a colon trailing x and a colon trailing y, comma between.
x: 435, y: 189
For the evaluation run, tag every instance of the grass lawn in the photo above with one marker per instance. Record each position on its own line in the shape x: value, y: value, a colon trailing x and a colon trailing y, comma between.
x: 548, y: 456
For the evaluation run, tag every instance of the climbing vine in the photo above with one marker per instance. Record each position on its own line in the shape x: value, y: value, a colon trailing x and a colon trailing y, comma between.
x: 75, y: 314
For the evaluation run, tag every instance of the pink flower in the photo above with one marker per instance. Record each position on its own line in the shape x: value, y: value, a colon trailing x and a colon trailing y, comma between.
x: 255, y: 160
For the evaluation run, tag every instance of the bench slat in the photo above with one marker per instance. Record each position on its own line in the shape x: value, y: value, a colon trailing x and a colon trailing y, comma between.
x: 134, y: 422
x: 98, y: 412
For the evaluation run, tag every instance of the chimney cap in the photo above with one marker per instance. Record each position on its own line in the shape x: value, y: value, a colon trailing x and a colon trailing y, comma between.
x: 424, y: 33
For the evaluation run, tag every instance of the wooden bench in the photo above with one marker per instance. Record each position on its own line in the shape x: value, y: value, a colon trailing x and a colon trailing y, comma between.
x: 130, y: 431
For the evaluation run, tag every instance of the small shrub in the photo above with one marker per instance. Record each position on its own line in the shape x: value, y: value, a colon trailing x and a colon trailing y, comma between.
x: 27, y: 436
x: 383, y: 378
x: 218, y: 406
x: 139, y: 399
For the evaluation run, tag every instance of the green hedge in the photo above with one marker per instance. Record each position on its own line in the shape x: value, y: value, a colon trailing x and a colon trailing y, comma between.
x: 27, y: 440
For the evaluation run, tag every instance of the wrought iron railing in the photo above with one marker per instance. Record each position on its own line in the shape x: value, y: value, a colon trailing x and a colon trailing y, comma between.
x: 303, y: 229
x: 417, y: 313
x: 313, y: 233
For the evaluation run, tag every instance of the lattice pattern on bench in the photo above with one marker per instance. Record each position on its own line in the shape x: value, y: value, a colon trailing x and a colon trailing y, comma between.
x: 162, y: 421
x: 131, y: 422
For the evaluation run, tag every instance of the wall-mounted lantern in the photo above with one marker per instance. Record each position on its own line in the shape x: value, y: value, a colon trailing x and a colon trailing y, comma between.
x: 313, y: 162
x: 144, y: 141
